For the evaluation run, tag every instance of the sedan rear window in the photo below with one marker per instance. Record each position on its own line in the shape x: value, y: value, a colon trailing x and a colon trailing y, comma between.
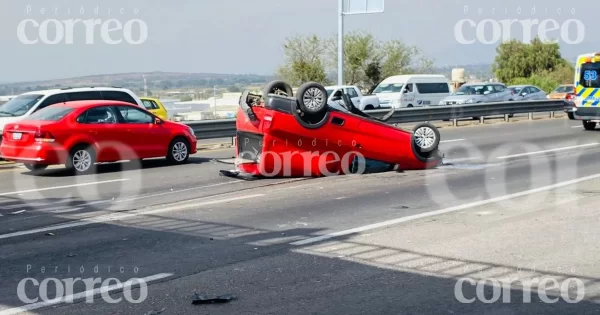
x: 516, y: 90
x: 51, y: 113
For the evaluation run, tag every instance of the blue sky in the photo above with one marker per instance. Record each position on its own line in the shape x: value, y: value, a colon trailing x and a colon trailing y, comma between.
x: 246, y: 36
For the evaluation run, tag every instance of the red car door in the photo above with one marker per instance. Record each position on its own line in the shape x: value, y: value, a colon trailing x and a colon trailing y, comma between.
x: 100, y: 125
x: 383, y: 142
x: 146, y: 138
x: 340, y: 133
x: 367, y: 138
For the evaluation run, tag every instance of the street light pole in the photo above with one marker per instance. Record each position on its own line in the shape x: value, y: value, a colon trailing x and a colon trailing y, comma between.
x: 340, y: 42
x: 354, y: 7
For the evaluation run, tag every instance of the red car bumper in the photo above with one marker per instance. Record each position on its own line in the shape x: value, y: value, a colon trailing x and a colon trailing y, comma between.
x: 38, y: 153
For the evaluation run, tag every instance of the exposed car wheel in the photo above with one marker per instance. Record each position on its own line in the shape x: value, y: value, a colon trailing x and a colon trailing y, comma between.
x: 35, y: 167
x: 81, y: 160
x: 571, y: 116
x: 179, y: 151
x: 369, y: 107
x: 279, y: 88
x: 511, y: 115
x: 426, y: 137
x: 312, y: 98
x: 589, y: 125
x: 409, y: 106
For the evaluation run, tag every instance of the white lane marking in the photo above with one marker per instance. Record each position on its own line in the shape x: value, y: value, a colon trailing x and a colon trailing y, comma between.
x: 91, y: 203
x: 449, y: 141
x: 441, y: 211
x: 175, y: 191
x: 122, y: 216
x: 81, y: 295
x: 62, y: 187
x: 463, y: 159
x: 550, y: 150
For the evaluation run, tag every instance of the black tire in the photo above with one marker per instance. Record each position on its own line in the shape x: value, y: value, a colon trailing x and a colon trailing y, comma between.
x: 426, y: 137
x: 369, y: 107
x: 589, y: 125
x: 571, y: 116
x: 179, y: 151
x: 409, y: 106
x: 312, y: 98
x: 279, y: 88
x: 511, y: 115
x: 81, y: 160
x: 35, y: 168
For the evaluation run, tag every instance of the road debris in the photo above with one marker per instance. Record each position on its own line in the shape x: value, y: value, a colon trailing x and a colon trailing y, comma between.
x: 71, y: 255
x: 155, y: 312
x: 201, y: 298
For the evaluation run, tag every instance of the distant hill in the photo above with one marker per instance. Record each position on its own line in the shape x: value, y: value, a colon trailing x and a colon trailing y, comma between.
x: 135, y: 81
x: 169, y: 81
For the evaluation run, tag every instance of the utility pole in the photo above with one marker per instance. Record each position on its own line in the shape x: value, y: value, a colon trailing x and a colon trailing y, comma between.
x: 215, y: 97
x: 340, y: 42
x: 353, y: 7
x: 145, y: 86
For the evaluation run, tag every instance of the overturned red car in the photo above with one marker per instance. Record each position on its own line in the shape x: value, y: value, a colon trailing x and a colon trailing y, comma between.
x: 304, y: 136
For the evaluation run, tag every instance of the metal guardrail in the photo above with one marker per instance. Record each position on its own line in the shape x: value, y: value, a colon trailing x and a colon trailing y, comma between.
x: 210, y: 129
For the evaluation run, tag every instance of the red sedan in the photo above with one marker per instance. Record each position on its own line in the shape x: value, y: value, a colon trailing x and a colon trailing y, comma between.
x: 282, y: 135
x: 79, y: 134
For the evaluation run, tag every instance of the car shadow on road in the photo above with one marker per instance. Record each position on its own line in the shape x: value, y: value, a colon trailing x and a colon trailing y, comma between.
x: 106, y: 168
x: 271, y: 276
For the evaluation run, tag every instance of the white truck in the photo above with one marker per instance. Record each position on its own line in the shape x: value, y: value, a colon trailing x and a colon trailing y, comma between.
x: 359, y: 100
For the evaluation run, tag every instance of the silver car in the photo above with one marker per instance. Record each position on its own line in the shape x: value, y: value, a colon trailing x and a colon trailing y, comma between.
x: 527, y: 93
x: 473, y: 93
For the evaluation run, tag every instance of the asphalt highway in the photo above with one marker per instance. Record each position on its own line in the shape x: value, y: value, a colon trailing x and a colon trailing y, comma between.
x: 310, y: 246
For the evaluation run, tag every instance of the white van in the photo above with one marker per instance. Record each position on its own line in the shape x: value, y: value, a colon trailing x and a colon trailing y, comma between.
x: 414, y: 90
x: 26, y: 104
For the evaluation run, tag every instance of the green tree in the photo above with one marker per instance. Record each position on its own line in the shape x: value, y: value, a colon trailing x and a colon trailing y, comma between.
x: 361, y: 51
x: 536, y: 63
x: 373, y: 74
x: 562, y: 74
x: 303, y: 60
x: 367, y: 60
x: 515, y: 59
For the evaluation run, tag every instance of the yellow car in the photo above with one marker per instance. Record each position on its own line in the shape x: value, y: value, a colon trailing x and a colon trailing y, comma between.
x: 154, y: 106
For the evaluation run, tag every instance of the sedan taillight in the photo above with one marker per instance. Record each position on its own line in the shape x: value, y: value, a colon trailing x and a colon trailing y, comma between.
x: 43, y: 136
x: 267, y: 121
